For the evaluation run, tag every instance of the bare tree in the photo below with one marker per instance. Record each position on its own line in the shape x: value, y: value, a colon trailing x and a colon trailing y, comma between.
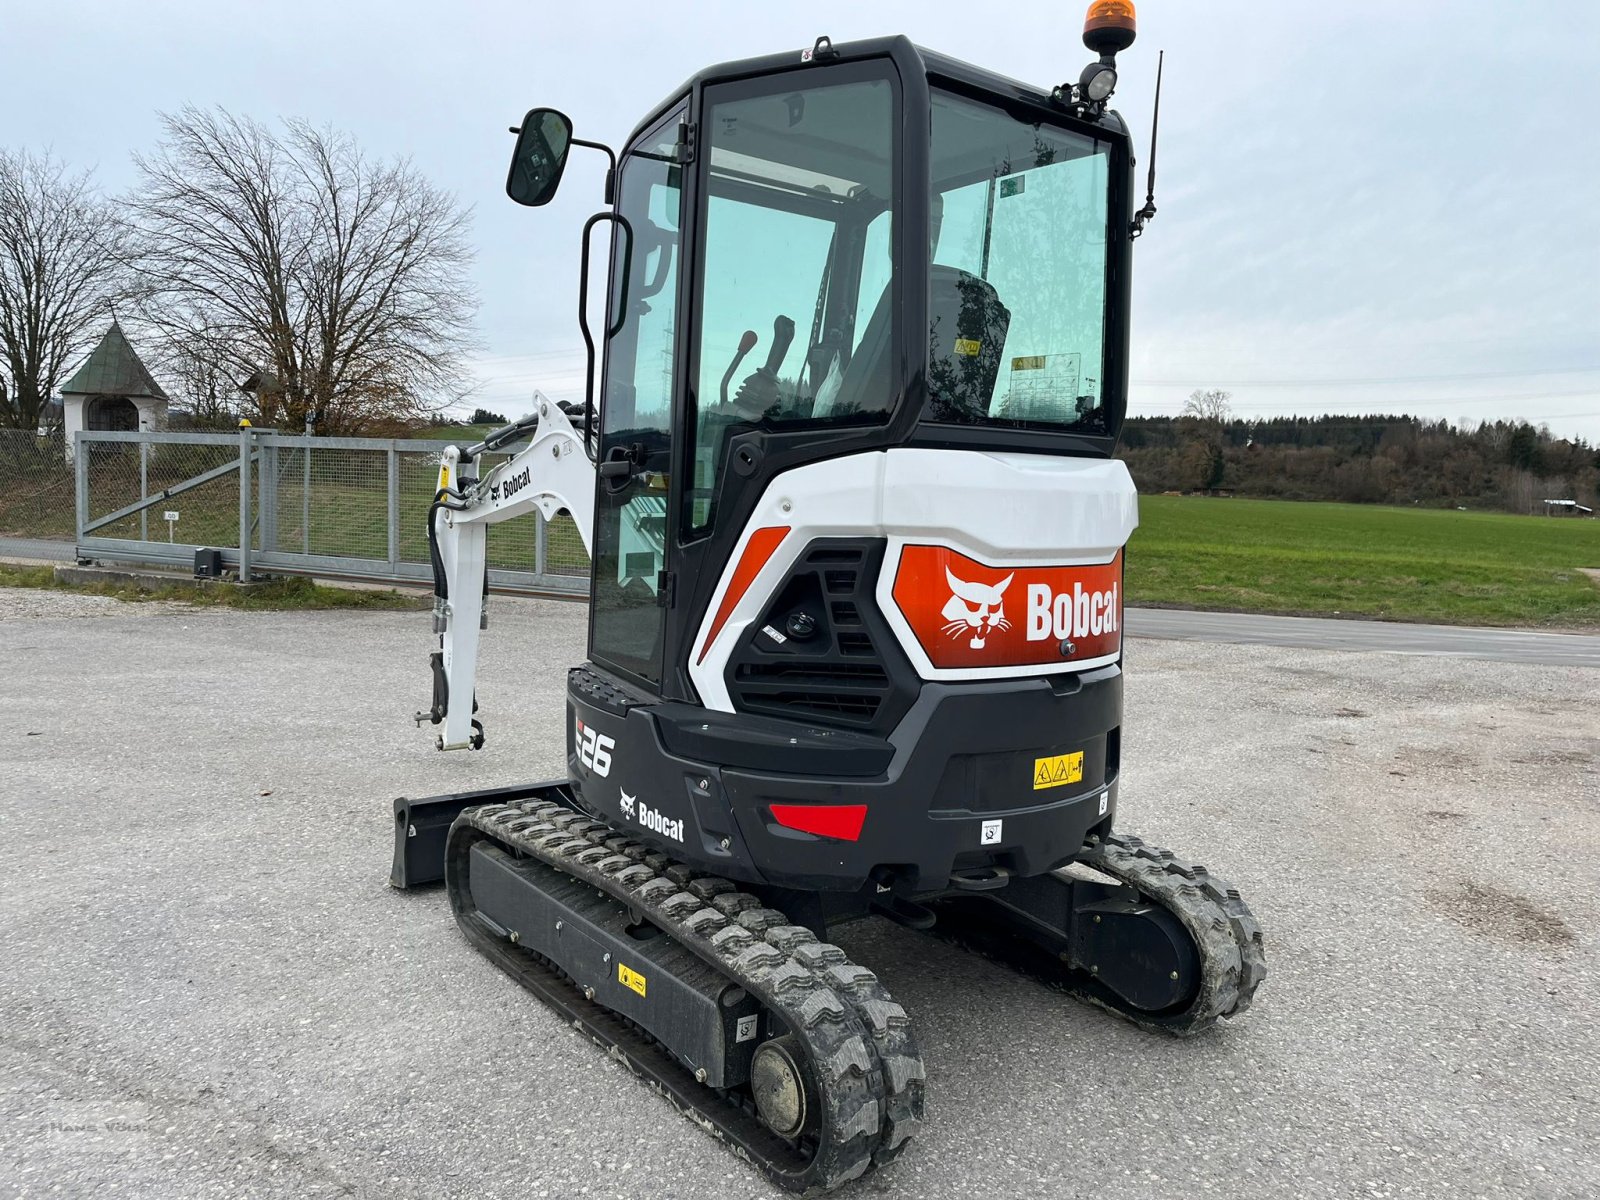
x: 292, y: 252
x: 201, y: 383
x: 59, y: 246
x: 1209, y: 404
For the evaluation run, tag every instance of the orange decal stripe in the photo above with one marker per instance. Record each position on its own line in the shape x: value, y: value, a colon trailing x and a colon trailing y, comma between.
x: 761, y: 546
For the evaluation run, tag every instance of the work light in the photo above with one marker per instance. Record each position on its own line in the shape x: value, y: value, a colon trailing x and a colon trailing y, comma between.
x: 1097, y: 82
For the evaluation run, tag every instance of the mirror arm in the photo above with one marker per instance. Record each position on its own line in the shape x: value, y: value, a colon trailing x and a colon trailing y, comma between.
x: 611, y: 330
x: 611, y: 172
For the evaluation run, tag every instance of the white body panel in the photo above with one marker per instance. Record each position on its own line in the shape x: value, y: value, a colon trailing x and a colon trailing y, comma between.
x: 1001, y: 509
x: 551, y: 474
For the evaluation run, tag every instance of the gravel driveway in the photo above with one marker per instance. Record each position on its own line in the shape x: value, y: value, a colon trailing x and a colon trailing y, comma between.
x: 208, y: 989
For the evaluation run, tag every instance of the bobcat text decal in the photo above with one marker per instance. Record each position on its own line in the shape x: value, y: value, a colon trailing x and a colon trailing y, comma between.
x: 957, y: 607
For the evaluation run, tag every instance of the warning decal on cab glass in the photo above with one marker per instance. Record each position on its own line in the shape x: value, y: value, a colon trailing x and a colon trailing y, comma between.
x: 966, y: 614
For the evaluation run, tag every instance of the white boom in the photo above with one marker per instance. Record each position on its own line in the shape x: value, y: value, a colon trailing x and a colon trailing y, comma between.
x: 552, y: 473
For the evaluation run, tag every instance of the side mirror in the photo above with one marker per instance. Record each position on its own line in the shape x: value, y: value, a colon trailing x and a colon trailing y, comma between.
x: 543, y: 140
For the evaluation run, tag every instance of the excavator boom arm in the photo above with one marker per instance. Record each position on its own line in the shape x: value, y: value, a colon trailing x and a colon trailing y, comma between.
x: 552, y: 474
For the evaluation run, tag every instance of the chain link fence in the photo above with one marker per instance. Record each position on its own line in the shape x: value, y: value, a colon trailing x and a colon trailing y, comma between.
x: 36, y: 498
x: 354, y: 507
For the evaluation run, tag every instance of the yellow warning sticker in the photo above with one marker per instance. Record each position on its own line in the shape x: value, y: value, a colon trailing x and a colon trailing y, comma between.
x: 629, y: 978
x: 444, y: 475
x: 1031, y: 362
x: 1057, y: 770
x: 968, y: 346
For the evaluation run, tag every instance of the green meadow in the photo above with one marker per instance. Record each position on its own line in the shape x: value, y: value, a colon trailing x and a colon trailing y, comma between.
x: 1400, y: 564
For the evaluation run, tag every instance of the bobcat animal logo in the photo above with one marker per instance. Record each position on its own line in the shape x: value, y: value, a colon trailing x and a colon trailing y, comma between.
x: 975, y: 609
x: 627, y: 804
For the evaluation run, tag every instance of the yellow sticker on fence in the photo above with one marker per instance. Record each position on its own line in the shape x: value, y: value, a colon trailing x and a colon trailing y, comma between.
x: 1057, y: 770
x: 968, y: 347
x: 630, y: 978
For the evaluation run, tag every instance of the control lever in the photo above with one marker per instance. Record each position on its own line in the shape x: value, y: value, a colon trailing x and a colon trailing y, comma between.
x: 759, y: 392
x: 746, y: 344
x: 782, y: 337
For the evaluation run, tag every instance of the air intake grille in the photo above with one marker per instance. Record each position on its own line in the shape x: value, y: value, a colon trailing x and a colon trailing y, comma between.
x: 847, y: 670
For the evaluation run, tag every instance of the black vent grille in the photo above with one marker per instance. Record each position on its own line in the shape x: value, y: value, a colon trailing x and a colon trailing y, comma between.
x: 841, y: 674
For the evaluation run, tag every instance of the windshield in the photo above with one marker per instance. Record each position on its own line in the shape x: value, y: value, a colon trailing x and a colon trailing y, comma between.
x: 795, y: 324
x: 1017, y: 282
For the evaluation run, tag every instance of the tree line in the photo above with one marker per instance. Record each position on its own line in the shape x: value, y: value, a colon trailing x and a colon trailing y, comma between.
x: 1505, y: 464
x: 330, y: 284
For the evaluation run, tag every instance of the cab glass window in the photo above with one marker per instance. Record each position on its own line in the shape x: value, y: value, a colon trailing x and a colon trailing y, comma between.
x: 1018, y: 271
x: 795, y: 326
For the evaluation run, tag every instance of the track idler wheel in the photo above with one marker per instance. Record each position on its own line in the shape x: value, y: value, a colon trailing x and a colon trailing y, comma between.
x: 785, y: 1095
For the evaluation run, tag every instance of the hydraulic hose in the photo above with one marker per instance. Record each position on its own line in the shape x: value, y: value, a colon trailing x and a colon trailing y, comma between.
x: 441, y: 585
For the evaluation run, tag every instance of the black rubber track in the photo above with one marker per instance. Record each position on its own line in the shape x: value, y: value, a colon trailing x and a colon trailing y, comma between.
x: 857, y: 1041
x: 1224, y: 932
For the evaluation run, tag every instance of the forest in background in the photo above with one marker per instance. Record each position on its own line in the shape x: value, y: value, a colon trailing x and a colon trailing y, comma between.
x: 1508, y: 465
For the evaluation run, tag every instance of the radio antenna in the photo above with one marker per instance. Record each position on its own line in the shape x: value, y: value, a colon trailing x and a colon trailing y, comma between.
x: 1145, y: 214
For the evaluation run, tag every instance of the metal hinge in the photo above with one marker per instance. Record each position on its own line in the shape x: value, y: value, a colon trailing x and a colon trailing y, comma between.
x: 666, y: 589
x: 688, y: 141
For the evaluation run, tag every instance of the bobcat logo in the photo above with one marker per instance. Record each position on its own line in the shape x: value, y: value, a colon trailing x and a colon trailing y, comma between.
x: 627, y: 804
x: 974, y: 607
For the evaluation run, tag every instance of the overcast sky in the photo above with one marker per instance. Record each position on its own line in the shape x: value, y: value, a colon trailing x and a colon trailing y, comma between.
x: 1364, y: 206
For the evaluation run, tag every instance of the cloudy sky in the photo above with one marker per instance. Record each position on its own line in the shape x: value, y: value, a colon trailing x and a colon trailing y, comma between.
x: 1364, y: 206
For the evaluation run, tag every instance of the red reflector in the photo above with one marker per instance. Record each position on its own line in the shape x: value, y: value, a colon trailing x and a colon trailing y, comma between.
x: 842, y: 821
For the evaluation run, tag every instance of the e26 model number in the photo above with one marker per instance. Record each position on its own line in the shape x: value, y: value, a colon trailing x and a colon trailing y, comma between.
x: 594, y: 749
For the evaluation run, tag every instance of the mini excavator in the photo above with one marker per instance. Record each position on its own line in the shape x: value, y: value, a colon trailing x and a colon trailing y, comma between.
x: 855, y: 624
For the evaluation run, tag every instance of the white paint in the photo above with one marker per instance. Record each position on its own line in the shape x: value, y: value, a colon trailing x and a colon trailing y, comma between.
x: 1000, y: 509
x: 558, y: 475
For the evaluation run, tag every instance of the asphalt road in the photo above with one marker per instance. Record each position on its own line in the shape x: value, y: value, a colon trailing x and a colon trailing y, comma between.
x: 1390, y: 637
x: 36, y: 549
x: 208, y: 989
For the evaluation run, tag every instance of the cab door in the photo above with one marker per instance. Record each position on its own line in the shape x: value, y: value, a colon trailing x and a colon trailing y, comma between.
x: 631, y: 540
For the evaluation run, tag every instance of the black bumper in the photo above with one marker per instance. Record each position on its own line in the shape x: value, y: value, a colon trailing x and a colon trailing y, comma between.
x: 963, y: 787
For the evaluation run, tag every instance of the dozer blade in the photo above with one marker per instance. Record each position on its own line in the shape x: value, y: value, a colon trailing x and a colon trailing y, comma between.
x: 422, y: 826
x: 1161, y: 942
x: 771, y: 1039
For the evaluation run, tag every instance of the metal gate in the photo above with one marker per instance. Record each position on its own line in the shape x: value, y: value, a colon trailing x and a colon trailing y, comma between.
x: 280, y: 503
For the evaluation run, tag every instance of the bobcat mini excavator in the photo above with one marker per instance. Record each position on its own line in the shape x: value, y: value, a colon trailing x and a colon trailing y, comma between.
x: 855, y: 627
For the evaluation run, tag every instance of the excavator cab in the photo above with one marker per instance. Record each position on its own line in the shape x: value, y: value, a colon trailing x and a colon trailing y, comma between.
x: 845, y: 471
x: 855, y: 248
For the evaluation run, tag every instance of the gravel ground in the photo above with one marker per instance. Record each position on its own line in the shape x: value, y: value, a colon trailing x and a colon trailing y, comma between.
x: 209, y: 990
x: 19, y: 603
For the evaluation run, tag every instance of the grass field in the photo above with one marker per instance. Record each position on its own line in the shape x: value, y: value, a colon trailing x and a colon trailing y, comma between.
x: 1402, y: 564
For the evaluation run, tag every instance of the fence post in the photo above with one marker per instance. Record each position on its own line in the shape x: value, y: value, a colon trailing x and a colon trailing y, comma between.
x: 305, y: 495
x: 540, y: 549
x: 394, y: 510
x: 80, y: 472
x: 144, y: 490
x: 267, y: 497
x: 244, y: 504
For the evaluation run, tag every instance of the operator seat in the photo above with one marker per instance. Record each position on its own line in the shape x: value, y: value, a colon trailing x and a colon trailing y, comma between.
x: 967, y: 328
